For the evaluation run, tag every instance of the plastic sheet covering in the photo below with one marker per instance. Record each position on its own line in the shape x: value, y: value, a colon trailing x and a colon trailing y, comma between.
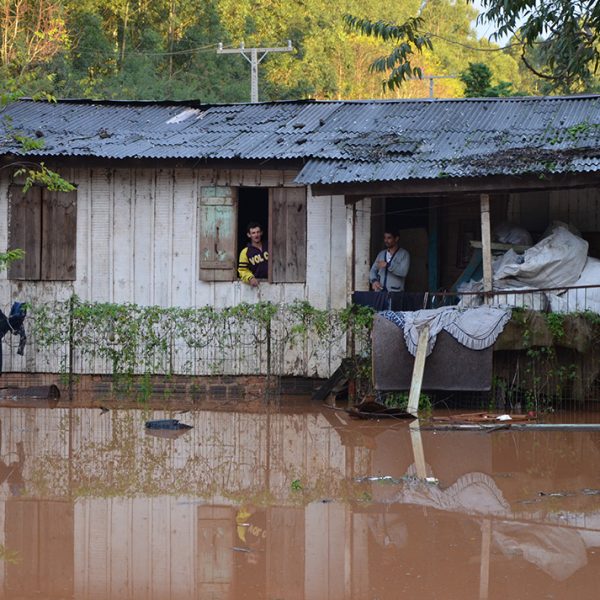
x: 580, y: 299
x: 557, y: 260
x: 509, y: 233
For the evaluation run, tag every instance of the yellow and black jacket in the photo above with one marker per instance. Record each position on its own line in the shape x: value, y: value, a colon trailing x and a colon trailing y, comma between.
x: 253, y: 262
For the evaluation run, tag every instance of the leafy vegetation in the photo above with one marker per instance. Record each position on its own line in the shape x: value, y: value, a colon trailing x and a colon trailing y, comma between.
x: 478, y: 82
x: 557, y: 40
x: 135, y: 342
x: 166, y: 49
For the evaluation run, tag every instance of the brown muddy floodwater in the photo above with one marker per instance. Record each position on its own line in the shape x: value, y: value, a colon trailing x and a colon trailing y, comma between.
x: 275, y: 506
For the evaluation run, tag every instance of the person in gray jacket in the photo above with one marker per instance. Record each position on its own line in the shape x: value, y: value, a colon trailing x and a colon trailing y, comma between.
x: 389, y: 270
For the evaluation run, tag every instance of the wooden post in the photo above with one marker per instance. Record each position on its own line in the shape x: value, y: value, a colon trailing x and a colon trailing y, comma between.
x: 350, y: 250
x: 486, y: 242
x: 432, y: 249
x: 416, y: 382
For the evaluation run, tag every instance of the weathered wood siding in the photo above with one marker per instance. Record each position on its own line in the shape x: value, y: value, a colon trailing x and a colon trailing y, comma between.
x: 138, y: 240
x: 536, y: 210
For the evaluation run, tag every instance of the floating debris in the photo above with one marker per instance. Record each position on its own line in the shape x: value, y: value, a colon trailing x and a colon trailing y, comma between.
x: 394, y: 480
x: 555, y: 494
x: 167, y: 428
x: 168, y: 424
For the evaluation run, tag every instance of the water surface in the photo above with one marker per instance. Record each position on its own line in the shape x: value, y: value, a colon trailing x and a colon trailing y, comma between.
x: 274, y: 505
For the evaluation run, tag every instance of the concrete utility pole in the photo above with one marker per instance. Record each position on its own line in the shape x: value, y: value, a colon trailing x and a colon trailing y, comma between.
x: 432, y: 78
x: 251, y: 55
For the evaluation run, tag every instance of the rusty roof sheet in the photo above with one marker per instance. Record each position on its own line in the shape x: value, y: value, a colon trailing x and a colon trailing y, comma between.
x: 339, y: 142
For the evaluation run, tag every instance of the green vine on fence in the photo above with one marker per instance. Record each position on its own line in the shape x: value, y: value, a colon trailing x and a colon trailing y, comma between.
x: 132, y: 340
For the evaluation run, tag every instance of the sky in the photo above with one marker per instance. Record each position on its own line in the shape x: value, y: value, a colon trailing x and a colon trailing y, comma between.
x: 484, y: 30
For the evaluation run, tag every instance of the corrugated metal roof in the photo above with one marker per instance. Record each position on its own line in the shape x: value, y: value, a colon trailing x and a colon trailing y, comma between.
x: 354, y: 141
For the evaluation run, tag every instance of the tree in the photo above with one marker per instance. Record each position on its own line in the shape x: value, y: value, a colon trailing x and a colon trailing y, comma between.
x: 407, y: 39
x: 31, y: 33
x: 565, y: 33
x: 478, y: 82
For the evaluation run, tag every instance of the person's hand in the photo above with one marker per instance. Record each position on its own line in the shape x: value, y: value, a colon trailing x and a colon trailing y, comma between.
x: 381, y: 264
x: 377, y: 287
x: 253, y: 282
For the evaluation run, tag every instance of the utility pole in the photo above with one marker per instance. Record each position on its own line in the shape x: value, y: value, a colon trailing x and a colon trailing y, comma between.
x: 432, y: 78
x: 252, y: 56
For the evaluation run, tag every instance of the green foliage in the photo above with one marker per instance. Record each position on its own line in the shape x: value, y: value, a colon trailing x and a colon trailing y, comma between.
x: 556, y: 324
x: 400, y: 400
x: 557, y: 40
x: 44, y: 177
x: 408, y: 40
x: 296, y: 485
x: 8, y: 257
x: 478, y: 82
x: 137, y: 341
x: 166, y: 49
x: 28, y: 144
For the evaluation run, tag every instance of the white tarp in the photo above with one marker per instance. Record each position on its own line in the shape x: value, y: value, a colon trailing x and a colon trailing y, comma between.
x: 554, y: 262
x: 584, y: 299
x: 559, y: 260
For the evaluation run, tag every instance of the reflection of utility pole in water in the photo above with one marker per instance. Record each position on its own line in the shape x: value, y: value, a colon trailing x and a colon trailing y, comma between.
x: 251, y: 55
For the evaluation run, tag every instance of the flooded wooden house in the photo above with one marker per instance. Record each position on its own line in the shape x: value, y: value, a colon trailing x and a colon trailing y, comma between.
x: 164, y: 192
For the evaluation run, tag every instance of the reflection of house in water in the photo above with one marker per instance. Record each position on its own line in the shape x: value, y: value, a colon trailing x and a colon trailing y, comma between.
x: 108, y: 512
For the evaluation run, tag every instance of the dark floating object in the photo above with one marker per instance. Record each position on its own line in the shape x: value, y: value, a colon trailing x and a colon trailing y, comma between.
x: 39, y: 396
x: 166, y: 428
x: 374, y: 410
x: 167, y: 425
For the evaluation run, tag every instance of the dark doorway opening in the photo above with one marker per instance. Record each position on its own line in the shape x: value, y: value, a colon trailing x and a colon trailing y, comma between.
x: 253, y: 205
x: 409, y: 217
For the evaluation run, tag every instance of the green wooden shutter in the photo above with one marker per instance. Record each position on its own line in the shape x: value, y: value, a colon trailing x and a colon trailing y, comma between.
x: 218, y: 230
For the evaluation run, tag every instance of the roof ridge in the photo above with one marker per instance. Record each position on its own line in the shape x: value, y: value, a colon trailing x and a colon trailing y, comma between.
x: 198, y: 103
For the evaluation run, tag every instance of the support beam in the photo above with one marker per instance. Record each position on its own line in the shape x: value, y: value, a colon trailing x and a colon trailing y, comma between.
x: 457, y: 185
x: 486, y: 242
x: 416, y: 382
x: 433, y: 245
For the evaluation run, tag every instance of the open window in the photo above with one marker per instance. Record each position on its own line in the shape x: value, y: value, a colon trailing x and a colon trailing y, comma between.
x: 224, y: 214
x: 44, y: 225
x: 253, y: 206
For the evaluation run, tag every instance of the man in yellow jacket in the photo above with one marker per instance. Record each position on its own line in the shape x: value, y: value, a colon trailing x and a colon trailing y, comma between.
x: 253, y: 264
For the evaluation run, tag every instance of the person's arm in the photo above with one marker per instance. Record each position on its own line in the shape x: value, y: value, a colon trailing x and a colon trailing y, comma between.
x: 374, y: 271
x: 374, y: 275
x: 246, y: 275
x: 400, y: 265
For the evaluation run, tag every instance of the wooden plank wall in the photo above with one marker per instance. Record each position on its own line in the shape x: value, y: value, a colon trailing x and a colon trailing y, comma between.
x: 137, y: 241
x: 537, y: 210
